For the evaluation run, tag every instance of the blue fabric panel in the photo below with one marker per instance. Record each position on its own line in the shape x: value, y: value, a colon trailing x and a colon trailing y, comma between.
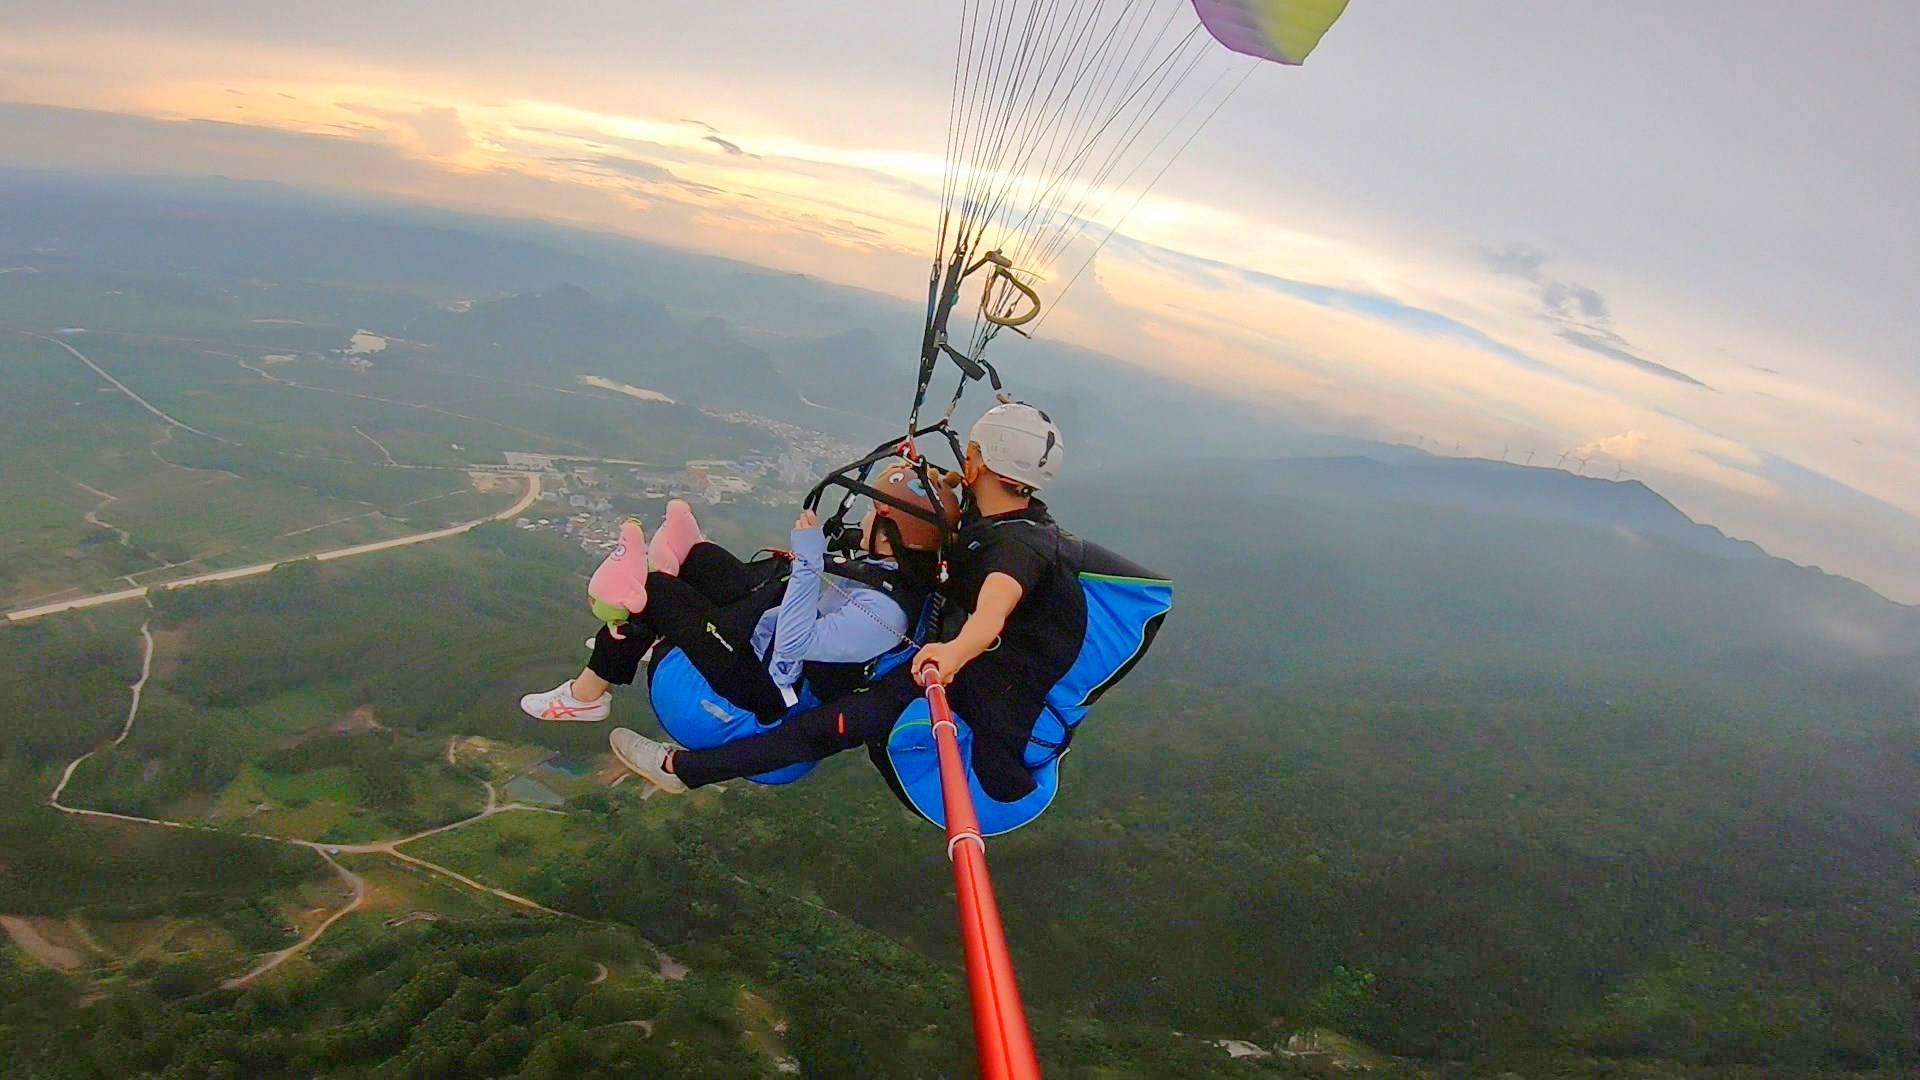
x: 1118, y: 611
x: 697, y: 718
x: 1118, y: 614
x: 916, y: 762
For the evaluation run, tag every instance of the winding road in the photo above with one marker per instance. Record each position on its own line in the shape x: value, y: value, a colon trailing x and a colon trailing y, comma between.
x: 356, y: 884
x: 126, y: 729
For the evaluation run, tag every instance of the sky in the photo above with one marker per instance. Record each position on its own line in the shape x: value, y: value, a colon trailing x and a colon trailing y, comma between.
x: 1678, y: 242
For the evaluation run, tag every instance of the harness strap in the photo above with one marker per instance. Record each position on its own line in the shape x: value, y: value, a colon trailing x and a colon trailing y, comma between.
x: 1055, y: 750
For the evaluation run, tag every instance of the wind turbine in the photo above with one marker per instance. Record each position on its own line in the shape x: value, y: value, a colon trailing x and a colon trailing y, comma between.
x: 1583, y: 466
x: 1563, y: 459
x: 1619, y: 470
x: 1529, y: 457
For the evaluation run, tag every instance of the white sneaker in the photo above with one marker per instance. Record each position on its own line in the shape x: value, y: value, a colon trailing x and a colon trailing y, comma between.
x: 559, y: 705
x: 646, y: 759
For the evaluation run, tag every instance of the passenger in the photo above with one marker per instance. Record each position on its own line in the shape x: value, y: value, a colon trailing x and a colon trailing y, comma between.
x: 1026, y: 617
x: 756, y: 631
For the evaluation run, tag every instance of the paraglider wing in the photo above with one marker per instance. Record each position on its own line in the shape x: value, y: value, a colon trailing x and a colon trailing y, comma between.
x: 1284, y: 31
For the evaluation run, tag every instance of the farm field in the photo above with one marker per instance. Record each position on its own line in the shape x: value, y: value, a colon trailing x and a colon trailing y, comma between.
x: 248, y: 756
x: 103, y: 495
x: 515, y: 851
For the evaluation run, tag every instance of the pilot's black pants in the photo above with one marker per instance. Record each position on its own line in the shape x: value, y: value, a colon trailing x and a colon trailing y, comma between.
x: 865, y: 716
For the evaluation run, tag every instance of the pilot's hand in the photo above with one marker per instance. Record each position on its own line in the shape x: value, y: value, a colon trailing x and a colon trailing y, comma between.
x: 947, y: 660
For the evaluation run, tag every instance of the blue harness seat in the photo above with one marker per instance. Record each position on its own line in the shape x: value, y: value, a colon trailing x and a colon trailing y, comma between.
x: 695, y: 715
x: 1125, y: 606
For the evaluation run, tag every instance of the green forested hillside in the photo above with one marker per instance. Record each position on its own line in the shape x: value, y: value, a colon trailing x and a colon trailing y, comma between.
x: 483, y: 998
x: 1447, y: 871
x: 248, y: 679
x: 1561, y: 864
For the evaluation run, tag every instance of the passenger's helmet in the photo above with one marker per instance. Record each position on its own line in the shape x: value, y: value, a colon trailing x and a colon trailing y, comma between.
x: 900, y: 481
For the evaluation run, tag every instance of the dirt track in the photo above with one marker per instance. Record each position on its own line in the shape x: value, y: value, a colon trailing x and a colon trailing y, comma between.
x: 30, y: 942
x: 359, y: 887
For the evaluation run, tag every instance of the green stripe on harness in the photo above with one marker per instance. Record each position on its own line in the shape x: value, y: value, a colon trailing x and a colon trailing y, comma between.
x: 1124, y: 580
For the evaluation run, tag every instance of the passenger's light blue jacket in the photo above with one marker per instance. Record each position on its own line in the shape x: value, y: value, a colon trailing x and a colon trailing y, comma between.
x: 834, y: 620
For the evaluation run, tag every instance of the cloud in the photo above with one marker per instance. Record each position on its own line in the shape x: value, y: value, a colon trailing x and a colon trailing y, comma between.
x: 1817, y: 519
x: 639, y: 170
x: 1565, y: 301
x: 1378, y: 307
x: 1626, y: 446
x: 436, y: 131
x: 1580, y: 314
x: 1520, y: 262
x: 1610, y: 345
x: 838, y: 231
x: 552, y: 133
x: 645, y: 171
x: 1813, y: 480
x: 729, y: 147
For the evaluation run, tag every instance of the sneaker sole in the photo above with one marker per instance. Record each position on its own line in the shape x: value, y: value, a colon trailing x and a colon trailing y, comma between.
x: 569, y: 719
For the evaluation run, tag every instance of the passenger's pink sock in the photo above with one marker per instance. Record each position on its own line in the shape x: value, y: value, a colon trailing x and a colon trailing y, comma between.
x: 674, y: 538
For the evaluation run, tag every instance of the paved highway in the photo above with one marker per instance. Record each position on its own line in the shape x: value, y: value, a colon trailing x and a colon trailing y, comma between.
x: 135, y: 593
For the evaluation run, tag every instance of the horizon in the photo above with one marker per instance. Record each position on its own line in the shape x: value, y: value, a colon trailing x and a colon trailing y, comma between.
x: 1473, y: 273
